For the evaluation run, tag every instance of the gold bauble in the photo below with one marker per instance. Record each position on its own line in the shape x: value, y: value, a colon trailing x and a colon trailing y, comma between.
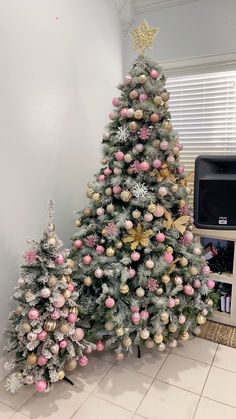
x: 124, y: 289
x: 52, y: 241
x: 183, y: 261
x: 158, y: 338
x: 120, y: 356
x: 110, y: 208
x: 119, y: 331
x: 138, y: 114
x: 174, y: 188
x: 157, y: 100
x: 127, y: 342
x: 89, y: 193
x: 18, y: 309
x: 136, y: 214
x: 60, y: 375
x: 193, y: 270
x: 87, y: 212
x: 63, y: 279
x: 133, y: 126
x: 172, y: 327
x: 130, y: 171
x: 32, y: 360
x: 74, y: 310
x: 156, y: 143
x: 110, y: 251
x: 197, y: 330
x: 182, y: 203
x: 109, y: 326
x: 165, y: 96
x: 96, y: 197
x: 152, y: 208
x: 144, y: 334
x: 50, y: 325
x: 64, y: 328
x: 70, y: 263
x: 201, y: 319
x: 159, y: 291
x: 166, y: 105
x: 149, y: 343
x: 67, y: 294
x: 128, y: 158
x: 164, y: 316
x: 108, y: 191
x: 142, y: 78
x: 88, y: 281
x: 185, y: 336
x: 165, y: 279
x: 126, y: 196
x: 119, y: 245
x: 209, y: 302
x: 78, y: 223
x: 65, y: 311
x: 71, y: 364
x: 188, y: 190
x: 169, y: 249
x: 190, y: 227
x: 25, y: 327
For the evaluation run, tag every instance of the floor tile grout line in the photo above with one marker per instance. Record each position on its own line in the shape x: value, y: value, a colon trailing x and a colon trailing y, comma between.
x: 174, y: 385
x: 217, y: 401
x: 112, y: 403
x: 192, y: 359
x: 88, y: 395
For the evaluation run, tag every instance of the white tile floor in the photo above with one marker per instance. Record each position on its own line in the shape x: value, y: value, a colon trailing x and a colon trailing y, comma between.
x: 194, y: 381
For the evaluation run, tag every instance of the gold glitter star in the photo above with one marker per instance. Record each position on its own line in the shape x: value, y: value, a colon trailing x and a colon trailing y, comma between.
x: 143, y: 36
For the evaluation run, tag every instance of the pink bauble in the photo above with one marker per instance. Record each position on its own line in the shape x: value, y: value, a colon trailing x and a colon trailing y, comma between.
x: 78, y: 334
x: 162, y: 191
x: 128, y: 224
x: 45, y: 292
x: 136, y: 318
x: 168, y: 257
x: 154, y: 118
x: 144, y: 314
x: 60, y: 301
x: 63, y: 344
x: 119, y: 155
x: 42, y: 335
x: 159, y: 211
x: 116, y: 189
x: 59, y: 260
x: 171, y: 159
x: 139, y: 147
x: 132, y: 272
x: 100, y: 211
x: 100, y: 250
x: 180, y: 169
x: 196, y: 283
x: 107, y: 171
x: 72, y: 317
x: 160, y: 237
x: 109, y: 302
x: 88, y: 350
x: 179, y: 146
x: 171, y: 302
x: 197, y: 251
x: 154, y: 74
x: 41, y: 386
x: 148, y: 217
x: 55, y: 314
x: 112, y: 115
x: 101, y: 178
x: 188, y: 290
x: 135, y: 256
x: 133, y: 94
x: 116, y: 101
x: 123, y: 112
x: 42, y: 360
x: 156, y: 163
x: 134, y: 309
x: 210, y: 284
x: 128, y: 79
x: 100, y: 346
x: 182, y: 319
x: 71, y: 286
x: 33, y: 314
x: 83, y: 360
x: 164, y: 145
x: 188, y: 236
x: 143, y: 97
x: 205, y: 270
x: 87, y: 260
x: 54, y: 349
x: 31, y: 336
x: 144, y: 166
x: 130, y: 113
x: 78, y: 244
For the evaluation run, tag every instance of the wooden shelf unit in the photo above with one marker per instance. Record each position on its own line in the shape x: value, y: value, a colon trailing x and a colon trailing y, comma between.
x: 230, y: 235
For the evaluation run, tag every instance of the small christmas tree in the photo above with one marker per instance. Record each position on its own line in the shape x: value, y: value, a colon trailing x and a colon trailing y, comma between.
x: 141, y: 276
x: 45, y: 335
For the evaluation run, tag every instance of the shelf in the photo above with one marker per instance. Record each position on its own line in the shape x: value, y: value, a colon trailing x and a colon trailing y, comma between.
x: 225, y: 277
x: 218, y: 234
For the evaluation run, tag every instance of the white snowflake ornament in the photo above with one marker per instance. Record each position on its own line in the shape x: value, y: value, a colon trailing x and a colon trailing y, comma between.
x: 140, y: 190
x: 122, y: 134
x: 13, y: 382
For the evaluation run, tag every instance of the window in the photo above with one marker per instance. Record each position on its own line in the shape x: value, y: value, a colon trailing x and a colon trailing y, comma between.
x: 203, y: 112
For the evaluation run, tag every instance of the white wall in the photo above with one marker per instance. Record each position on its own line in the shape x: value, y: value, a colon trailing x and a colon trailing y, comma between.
x: 60, y: 63
x: 194, y: 29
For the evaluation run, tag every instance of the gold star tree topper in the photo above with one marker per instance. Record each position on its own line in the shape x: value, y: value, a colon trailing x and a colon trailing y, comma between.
x: 143, y: 36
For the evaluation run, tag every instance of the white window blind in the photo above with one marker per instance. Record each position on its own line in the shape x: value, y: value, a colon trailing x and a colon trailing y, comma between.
x: 203, y: 112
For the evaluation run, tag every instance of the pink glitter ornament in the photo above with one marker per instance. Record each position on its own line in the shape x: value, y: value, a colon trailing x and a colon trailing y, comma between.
x: 168, y: 257
x: 109, y: 302
x: 101, y: 178
x: 144, y: 133
x: 30, y: 256
x: 135, y: 318
x: 78, y: 244
x: 107, y: 171
x: 63, y: 344
x: 83, y: 361
x: 152, y: 284
x: 164, y: 145
x: 143, y: 97
x: 205, y: 270
x: 130, y: 113
x: 78, y: 334
x: 188, y: 290
x: 159, y: 211
x: 144, y: 314
x: 100, y: 250
x: 144, y: 166
x: 42, y: 336
x: 136, y: 166
x: 59, y: 260
x: 116, y: 101
x: 112, y: 115
x: 128, y: 224
x: 188, y: 235
x: 171, y: 302
x: 154, y: 118
x: 88, y: 350
x: 182, y: 319
x: 55, y: 314
x: 196, y: 283
x: 160, y: 237
x: 133, y: 94
x: 60, y: 301
x: 139, y: 147
x: 33, y: 314
x: 123, y: 112
x: 72, y: 317
x: 154, y: 74
x: 90, y: 241
x: 42, y: 360
x: 132, y: 272
x: 180, y: 169
x: 135, y: 256
x: 31, y: 336
x: 134, y: 309
x: 100, y: 212
x: 171, y: 159
x: 148, y: 217
x: 54, y: 349
x: 210, y: 284
x: 71, y: 286
x: 119, y: 155
x: 87, y: 259
x: 162, y: 191
x: 41, y: 386
x: 100, y: 346
x: 116, y: 189
x: 110, y: 229
x: 156, y: 163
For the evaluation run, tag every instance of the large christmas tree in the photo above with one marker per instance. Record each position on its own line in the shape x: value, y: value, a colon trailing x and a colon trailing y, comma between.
x: 45, y: 337
x: 141, y: 276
